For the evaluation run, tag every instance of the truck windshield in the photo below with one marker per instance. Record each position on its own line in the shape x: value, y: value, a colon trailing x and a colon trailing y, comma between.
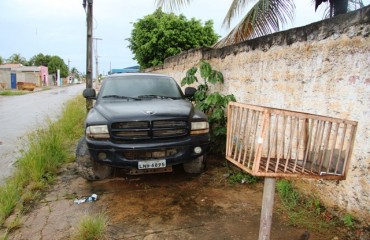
x: 141, y: 87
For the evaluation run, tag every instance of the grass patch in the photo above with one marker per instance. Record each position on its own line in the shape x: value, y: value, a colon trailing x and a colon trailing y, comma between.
x: 302, y: 210
x: 237, y: 176
x: 48, y: 149
x: 12, y: 93
x: 92, y: 228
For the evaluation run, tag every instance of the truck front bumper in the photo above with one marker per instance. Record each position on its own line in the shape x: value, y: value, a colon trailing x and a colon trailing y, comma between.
x: 128, y: 155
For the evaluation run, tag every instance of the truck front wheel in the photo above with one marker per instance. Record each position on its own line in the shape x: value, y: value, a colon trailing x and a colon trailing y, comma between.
x: 87, y: 167
x: 195, y: 166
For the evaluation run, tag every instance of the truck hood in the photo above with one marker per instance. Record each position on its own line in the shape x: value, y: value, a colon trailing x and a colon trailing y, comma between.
x: 122, y: 110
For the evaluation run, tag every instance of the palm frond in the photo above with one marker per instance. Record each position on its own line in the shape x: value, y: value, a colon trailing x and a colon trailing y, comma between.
x: 235, y: 9
x: 265, y: 17
x: 171, y: 5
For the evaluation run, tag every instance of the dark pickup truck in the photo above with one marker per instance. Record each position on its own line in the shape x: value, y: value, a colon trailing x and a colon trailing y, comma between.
x: 142, y: 123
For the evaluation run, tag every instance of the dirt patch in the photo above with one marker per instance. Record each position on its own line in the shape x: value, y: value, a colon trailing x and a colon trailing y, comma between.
x: 159, y: 206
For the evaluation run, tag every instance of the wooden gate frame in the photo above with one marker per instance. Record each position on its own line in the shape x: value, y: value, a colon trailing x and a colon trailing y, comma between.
x: 272, y: 142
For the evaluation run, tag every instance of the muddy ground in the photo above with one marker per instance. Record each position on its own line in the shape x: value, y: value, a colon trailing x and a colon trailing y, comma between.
x: 159, y: 206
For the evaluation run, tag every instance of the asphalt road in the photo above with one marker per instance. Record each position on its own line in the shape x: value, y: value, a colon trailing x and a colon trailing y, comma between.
x: 20, y: 115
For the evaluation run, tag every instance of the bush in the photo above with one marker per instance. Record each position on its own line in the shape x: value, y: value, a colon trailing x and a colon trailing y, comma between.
x: 213, y: 104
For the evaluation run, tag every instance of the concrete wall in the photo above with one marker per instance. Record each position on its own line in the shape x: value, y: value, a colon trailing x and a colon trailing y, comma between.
x: 322, y: 68
x: 5, y: 77
x: 31, y: 77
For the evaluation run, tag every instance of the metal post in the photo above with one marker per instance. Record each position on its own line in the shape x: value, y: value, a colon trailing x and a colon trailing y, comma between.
x: 96, y: 59
x: 89, y: 46
x: 267, y: 208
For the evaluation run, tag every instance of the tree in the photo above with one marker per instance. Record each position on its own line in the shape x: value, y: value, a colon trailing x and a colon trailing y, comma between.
x: 40, y: 60
x: 16, y: 58
x: 265, y: 17
x: 336, y: 7
x: 56, y: 63
x: 161, y: 35
x: 1, y: 60
x: 52, y: 62
x: 75, y: 72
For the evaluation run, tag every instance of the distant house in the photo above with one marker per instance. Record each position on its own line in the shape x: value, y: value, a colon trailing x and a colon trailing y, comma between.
x: 132, y: 69
x: 10, y: 74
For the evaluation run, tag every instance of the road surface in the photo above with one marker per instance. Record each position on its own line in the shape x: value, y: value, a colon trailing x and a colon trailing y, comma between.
x: 20, y: 115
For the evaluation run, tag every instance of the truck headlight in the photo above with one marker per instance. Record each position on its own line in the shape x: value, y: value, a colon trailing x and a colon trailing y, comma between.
x: 99, y: 132
x: 199, y: 128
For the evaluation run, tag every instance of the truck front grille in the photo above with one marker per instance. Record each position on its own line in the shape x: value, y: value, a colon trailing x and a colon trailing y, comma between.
x: 135, y: 130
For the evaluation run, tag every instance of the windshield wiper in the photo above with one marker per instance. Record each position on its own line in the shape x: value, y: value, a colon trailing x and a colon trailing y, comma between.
x: 155, y: 96
x: 119, y: 96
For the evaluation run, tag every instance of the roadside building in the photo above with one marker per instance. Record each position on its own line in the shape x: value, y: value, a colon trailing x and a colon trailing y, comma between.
x: 13, y: 74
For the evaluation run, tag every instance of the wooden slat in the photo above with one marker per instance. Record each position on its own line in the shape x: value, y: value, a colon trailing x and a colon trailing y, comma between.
x: 281, y: 143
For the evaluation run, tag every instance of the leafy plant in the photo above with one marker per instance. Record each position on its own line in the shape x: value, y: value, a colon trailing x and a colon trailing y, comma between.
x: 213, y: 104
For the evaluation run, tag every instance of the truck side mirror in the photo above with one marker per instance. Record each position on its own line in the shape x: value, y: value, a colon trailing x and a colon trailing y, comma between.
x: 189, y: 92
x: 89, y: 93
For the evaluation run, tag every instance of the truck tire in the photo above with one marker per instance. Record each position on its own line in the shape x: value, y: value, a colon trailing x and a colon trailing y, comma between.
x: 195, y: 166
x: 87, y: 167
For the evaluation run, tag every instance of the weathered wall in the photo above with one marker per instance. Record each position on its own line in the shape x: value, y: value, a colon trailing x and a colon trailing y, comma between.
x: 322, y: 68
x: 32, y: 77
x: 5, y: 77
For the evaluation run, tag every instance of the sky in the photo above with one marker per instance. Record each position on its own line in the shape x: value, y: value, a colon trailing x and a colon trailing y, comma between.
x: 58, y: 27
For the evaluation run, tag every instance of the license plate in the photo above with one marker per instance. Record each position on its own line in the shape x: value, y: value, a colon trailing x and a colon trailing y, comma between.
x: 151, y: 164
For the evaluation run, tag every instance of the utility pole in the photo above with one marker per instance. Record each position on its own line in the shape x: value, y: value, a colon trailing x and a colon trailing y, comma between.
x: 89, y: 46
x: 96, y: 58
x: 69, y: 62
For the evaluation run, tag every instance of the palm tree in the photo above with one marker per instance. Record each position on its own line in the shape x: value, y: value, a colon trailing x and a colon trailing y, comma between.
x: 337, y: 7
x: 17, y: 58
x: 265, y: 16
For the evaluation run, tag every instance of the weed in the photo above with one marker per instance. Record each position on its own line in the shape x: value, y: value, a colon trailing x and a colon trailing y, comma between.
x: 14, y: 224
x: 315, y: 204
x: 288, y: 195
x: 9, y: 195
x: 301, y: 210
x: 348, y: 221
x: 92, y: 227
x: 47, y: 150
x: 241, y: 177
